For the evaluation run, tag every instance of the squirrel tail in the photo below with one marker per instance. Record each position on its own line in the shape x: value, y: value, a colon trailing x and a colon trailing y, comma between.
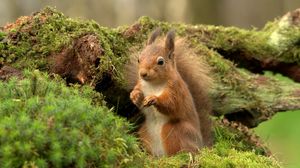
x: 195, y: 72
x: 131, y: 70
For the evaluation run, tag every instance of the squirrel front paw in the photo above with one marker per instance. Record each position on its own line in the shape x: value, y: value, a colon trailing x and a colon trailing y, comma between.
x: 137, y: 97
x: 150, y: 100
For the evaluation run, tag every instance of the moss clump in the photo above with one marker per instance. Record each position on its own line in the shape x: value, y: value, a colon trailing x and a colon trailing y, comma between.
x: 46, y: 124
x: 235, y: 158
x: 229, y: 150
x: 212, y: 158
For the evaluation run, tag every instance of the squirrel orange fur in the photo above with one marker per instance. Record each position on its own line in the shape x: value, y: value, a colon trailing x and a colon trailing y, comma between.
x: 170, y: 88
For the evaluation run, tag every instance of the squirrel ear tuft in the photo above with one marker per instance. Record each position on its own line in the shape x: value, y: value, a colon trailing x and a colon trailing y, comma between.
x: 169, y: 44
x: 154, y: 35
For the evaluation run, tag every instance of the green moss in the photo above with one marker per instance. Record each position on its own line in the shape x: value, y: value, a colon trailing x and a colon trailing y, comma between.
x: 229, y: 151
x: 235, y: 158
x: 282, y: 33
x: 46, y: 124
x: 230, y: 138
x: 49, y: 31
x: 233, y: 40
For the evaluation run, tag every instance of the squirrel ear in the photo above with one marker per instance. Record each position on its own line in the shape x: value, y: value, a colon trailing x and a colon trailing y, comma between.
x: 154, y: 35
x: 169, y: 44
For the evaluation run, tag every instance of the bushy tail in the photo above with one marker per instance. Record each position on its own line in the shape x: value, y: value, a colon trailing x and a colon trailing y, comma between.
x: 195, y: 72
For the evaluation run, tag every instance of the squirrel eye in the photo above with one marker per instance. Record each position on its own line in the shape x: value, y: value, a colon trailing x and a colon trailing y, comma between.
x: 138, y: 60
x: 160, y: 61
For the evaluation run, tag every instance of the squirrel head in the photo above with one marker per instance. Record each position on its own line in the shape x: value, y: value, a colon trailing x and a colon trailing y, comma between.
x: 156, y: 61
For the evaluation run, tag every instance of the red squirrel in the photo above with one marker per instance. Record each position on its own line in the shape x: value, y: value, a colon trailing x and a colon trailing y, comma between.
x: 173, y: 121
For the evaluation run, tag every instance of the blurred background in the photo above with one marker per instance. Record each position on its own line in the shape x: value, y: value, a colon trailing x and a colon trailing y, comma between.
x: 241, y: 13
x: 282, y: 133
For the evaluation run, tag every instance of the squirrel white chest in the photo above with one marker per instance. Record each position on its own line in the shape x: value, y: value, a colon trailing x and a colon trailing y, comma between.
x: 150, y: 89
x: 154, y: 119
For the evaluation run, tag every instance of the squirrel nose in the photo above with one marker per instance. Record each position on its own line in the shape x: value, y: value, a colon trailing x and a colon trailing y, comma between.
x: 143, y: 74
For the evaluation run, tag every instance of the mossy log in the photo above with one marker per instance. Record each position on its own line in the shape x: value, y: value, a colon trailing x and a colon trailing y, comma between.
x: 84, y: 52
